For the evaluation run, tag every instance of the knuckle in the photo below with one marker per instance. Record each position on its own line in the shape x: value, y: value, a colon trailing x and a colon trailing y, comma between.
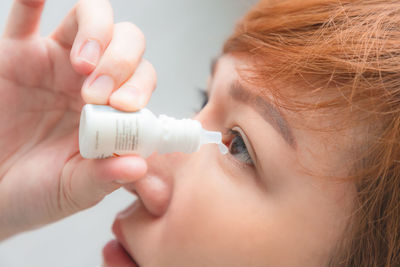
x: 122, y: 63
x: 151, y: 72
x: 148, y: 67
x: 134, y: 31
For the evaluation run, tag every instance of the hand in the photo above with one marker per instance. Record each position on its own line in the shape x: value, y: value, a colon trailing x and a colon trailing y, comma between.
x: 42, y: 82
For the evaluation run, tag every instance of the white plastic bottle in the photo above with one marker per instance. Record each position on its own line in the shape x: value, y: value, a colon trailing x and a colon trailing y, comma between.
x: 104, y: 132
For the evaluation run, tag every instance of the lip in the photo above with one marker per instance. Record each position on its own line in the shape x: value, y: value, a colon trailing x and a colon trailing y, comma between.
x: 116, y: 252
x: 115, y: 255
x: 116, y: 228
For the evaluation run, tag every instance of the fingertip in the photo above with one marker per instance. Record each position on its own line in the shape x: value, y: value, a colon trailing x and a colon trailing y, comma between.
x: 128, y: 100
x: 135, y: 93
x: 97, y: 90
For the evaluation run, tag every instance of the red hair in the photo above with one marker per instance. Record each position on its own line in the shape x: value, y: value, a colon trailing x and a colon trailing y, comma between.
x: 347, y: 53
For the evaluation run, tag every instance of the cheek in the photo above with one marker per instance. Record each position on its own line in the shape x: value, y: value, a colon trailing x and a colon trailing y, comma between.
x: 216, y: 218
x: 220, y: 217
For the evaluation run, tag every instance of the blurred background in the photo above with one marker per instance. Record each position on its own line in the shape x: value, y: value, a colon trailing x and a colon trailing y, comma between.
x: 182, y: 38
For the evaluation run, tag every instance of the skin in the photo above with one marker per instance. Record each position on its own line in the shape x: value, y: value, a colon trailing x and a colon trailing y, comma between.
x: 44, y: 82
x: 210, y: 209
x: 203, y: 209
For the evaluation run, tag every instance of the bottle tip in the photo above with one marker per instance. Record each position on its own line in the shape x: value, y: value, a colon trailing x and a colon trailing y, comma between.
x: 210, y: 137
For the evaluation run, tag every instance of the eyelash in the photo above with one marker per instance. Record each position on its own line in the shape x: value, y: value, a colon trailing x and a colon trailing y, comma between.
x: 231, y: 134
x: 203, y: 97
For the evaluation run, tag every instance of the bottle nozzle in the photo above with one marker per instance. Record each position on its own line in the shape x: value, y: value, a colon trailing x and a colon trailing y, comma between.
x: 210, y: 137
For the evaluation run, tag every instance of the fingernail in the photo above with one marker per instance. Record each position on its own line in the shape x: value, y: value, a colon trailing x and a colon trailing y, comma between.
x: 90, y: 52
x: 100, y: 89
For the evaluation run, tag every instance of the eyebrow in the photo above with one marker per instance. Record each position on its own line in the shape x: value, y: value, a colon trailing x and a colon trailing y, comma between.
x: 267, y: 111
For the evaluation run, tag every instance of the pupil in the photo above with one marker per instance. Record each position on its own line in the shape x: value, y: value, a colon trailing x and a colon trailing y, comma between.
x: 237, y: 145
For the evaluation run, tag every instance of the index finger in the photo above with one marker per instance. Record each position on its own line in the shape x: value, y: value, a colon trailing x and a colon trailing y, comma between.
x: 88, y: 29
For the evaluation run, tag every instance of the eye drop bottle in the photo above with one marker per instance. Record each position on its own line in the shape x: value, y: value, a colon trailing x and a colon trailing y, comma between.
x: 104, y: 132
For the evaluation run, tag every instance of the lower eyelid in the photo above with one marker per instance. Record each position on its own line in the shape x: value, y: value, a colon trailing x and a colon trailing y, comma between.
x: 238, y: 163
x: 232, y: 167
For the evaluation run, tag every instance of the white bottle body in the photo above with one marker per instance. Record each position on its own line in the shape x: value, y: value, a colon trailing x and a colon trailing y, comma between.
x: 105, y: 131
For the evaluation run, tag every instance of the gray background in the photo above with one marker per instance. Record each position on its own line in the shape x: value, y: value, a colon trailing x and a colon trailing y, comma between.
x: 182, y: 38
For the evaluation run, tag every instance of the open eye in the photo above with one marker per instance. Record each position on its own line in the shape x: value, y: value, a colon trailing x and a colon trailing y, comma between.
x: 237, y: 145
x: 238, y: 149
x: 204, y: 98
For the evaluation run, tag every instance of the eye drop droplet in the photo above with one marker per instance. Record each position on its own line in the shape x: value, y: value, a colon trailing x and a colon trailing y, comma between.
x: 223, y: 148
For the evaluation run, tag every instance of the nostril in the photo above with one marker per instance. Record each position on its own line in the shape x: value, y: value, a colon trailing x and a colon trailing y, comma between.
x: 155, y: 194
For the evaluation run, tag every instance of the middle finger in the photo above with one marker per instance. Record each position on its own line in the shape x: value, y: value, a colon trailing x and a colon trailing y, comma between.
x: 117, y: 64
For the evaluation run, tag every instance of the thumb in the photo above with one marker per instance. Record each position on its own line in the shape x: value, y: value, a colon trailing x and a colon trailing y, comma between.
x: 85, y: 182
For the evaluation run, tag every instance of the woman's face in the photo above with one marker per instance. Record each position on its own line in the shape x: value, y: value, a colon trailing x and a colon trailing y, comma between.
x: 256, y: 206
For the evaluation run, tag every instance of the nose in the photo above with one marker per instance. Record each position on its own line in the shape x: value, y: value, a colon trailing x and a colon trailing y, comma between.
x: 156, y: 188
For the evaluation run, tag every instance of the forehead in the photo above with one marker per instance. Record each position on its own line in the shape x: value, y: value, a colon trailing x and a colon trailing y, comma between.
x: 224, y: 67
x: 296, y: 98
x: 229, y: 68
